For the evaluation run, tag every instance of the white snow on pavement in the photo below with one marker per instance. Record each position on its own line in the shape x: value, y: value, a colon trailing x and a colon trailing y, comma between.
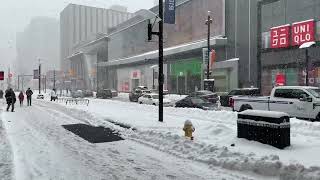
x: 215, y: 132
x: 43, y: 149
x: 6, y: 165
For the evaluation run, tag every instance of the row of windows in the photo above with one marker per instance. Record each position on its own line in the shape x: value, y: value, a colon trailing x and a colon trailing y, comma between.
x: 86, y: 21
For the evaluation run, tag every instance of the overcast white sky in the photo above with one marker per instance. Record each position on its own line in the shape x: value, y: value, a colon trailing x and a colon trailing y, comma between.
x: 16, y: 14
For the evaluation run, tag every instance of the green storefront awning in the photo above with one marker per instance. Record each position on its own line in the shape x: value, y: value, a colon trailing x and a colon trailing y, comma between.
x: 186, y: 66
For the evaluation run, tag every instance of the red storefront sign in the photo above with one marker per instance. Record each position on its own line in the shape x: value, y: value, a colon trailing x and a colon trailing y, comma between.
x: 280, y: 36
x: 302, y: 32
x: 136, y: 74
x: 280, y: 79
x: 212, y: 58
x: 1, y: 75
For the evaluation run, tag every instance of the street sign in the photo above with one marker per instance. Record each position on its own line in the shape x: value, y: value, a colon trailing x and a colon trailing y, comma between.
x: 36, y: 74
x: 205, y: 57
x: 1, y: 75
x: 170, y: 12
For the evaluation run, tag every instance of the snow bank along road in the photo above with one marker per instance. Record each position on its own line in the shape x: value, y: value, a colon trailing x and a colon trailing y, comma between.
x: 215, y: 132
x: 43, y: 149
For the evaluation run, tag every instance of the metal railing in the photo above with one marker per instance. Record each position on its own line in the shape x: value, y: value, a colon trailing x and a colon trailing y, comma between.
x: 74, y: 101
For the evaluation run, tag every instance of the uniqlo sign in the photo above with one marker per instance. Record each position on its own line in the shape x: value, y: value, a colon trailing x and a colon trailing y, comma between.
x: 1, y: 75
x: 302, y: 32
x: 280, y: 36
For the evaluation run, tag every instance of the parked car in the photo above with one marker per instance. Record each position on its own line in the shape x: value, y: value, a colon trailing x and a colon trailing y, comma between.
x: 77, y: 94
x: 142, y: 87
x: 104, y: 94
x: 153, y: 99
x: 88, y: 93
x: 298, y: 101
x: 156, y: 91
x: 136, y: 93
x: 208, y: 95
x: 196, y: 102
x: 114, y: 93
x: 225, y: 99
x: 40, y: 96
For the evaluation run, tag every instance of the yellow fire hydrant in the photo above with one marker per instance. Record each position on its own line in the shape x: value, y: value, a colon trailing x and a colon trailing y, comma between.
x: 188, y: 129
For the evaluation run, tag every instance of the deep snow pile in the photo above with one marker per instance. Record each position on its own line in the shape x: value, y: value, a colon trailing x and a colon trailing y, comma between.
x: 215, y: 132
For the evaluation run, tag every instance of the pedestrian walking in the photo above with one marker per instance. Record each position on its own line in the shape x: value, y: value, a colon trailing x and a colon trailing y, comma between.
x: 11, y: 99
x: 21, y: 98
x: 54, y: 95
x: 29, y: 96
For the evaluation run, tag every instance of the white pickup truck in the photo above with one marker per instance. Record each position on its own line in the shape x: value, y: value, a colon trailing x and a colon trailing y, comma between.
x: 302, y: 102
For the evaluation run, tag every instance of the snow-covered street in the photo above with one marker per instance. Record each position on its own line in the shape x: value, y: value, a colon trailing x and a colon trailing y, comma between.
x: 43, y: 149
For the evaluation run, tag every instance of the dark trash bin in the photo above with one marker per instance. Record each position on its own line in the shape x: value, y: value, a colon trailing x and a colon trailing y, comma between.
x: 267, y: 127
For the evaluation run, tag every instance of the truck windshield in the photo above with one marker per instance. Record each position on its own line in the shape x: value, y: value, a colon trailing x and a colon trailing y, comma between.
x: 314, y: 92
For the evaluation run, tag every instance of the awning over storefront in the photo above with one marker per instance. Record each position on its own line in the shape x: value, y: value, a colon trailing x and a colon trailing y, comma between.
x: 75, y: 55
x: 215, y: 41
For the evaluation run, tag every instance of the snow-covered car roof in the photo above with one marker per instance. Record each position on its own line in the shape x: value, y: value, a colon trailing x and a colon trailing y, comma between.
x: 296, y: 87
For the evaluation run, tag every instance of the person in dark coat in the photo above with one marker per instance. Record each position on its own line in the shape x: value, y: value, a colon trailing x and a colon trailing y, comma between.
x: 21, y: 98
x: 11, y: 99
x: 1, y: 94
x: 29, y: 95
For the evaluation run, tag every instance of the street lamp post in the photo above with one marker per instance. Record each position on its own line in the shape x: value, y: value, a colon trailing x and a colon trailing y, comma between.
x: 161, y: 78
x: 39, y: 77
x: 306, y: 46
x: 54, y: 79
x: 208, y: 23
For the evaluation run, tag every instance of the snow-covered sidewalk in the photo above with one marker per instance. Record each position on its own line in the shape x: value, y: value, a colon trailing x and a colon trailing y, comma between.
x: 43, y: 149
x: 6, y: 167
x: 215, y: 132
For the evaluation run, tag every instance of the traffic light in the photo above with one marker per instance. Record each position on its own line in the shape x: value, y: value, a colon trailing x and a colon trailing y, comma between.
x: 1, y: 75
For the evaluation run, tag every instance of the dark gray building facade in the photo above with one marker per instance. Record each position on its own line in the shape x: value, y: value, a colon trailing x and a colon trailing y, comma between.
x: 131, y: 58
x: 289, y: 62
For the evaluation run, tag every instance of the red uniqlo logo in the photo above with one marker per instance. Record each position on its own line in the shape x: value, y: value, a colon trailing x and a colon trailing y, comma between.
x: 302, y: 32
x: 280, y: 36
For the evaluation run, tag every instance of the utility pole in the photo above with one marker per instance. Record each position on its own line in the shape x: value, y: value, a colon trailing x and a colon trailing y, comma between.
x: 9, y: 78
x: 307, y: 67
x: 19, y: 82
x: 39, y: 77
x: 54, y: 79
x: 161, y: 78
x: 97, y: 85
x: 208, y: 23
x: 45, y: 84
